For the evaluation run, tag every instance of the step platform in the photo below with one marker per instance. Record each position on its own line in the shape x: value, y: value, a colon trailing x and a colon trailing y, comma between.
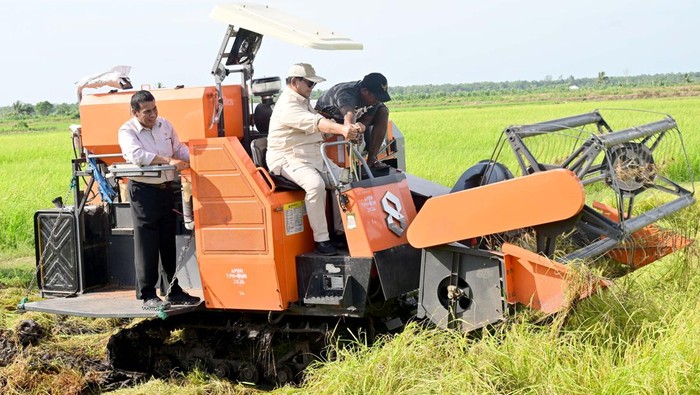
x: 117, y: 303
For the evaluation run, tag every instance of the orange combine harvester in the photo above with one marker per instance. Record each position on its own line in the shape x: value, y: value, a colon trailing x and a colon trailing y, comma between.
x: 459, y: 257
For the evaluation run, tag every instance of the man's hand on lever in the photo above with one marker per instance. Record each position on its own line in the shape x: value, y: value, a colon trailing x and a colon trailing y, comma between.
x: 179, y: 164
x: 350, y: 132
x: 358, y: 129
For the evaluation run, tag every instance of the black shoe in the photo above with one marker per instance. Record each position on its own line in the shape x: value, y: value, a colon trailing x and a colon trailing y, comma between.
x: 154, y: 303
x: 378, y: 165
x: 325, y: 248
x: 339, y: 241
x: 182, y: 298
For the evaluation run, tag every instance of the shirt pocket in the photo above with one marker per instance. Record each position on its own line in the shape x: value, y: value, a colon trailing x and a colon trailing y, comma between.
x: 167, y: 147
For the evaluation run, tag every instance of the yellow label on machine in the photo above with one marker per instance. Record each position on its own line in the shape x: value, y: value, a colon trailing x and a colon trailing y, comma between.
x: 294, y: 217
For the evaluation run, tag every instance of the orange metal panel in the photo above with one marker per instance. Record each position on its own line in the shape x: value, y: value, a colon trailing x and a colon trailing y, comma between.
x: 231, y: 281
x: 215, y: 156
x: 537, y: 282
x: 232, y: 185
x: 338, y: 153
x: 246, y: 253
x: 248, y: 283
x: 533, y: 280
x: 645, y: 245
x: 233, y: 110
x: 534, y: 199
x: 219, y: 213
x: 190, y: 111
x: 238, y: 239
x: 365, y: 220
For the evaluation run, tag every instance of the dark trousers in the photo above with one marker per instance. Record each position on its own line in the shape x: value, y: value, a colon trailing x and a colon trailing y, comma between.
x: 154, y: 234
x: 376, y: 123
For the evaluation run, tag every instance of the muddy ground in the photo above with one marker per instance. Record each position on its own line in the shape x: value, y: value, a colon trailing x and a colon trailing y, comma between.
x: 35, y: 359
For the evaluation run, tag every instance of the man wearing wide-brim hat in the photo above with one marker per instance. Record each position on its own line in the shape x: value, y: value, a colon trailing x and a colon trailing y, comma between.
x: 294, y: 148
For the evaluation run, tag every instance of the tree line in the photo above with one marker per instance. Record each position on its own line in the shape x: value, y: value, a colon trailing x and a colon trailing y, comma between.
x: 19, y: 109
x: 600, y: 82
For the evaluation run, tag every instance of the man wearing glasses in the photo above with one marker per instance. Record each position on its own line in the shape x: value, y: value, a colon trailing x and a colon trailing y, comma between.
x: 147, y: 139
x: 363, y: 102
x: 294, y: 149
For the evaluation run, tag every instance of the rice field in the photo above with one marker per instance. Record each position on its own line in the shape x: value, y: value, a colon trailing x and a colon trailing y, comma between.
x: 640, y: 336
x: 35, y: 167
x: 441, y: 143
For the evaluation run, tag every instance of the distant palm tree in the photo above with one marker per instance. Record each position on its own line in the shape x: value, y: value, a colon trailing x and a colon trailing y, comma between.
x: 17, y: 107
x: 602, y: 78
x: 687, y: 78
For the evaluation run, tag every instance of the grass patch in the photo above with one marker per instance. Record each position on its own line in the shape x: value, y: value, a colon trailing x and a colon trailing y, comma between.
x: 441, y: 143
x: 443, y: 139
x: 34, y: 168
x: 38, y: 124
x: 195, y: 382
x: 631, y: 338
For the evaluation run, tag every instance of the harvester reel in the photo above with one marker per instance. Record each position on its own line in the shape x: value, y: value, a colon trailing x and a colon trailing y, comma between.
x: 631, y: 167
x: 634, y: 160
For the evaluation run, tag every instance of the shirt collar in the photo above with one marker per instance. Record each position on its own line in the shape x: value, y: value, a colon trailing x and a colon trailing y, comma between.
x: 295, y: 96
x: 140, y: 128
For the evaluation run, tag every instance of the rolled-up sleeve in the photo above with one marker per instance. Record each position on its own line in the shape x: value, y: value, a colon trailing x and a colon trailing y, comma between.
x: 131, y: 147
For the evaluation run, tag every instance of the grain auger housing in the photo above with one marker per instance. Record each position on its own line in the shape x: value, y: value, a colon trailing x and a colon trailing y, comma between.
x: 585, y: 194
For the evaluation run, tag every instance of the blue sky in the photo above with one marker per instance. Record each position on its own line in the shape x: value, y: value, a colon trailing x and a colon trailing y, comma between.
x: 48, y: 45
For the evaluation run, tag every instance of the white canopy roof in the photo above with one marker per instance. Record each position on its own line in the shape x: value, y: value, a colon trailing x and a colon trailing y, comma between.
x: 281, y: 25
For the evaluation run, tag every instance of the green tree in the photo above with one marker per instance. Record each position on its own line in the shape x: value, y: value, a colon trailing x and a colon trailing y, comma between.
x: 17, y: 107
x: 67, y: 109
x: 687, y: 78
x: 602, y: 78
x: 44, y: 108
x: 20, y: 108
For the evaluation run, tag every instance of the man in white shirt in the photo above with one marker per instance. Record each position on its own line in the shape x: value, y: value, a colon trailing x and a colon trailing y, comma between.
x: 147, y: 139
x: 293, y: 148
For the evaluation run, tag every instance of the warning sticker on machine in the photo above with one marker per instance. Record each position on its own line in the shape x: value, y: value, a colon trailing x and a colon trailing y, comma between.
x: 294, y: 218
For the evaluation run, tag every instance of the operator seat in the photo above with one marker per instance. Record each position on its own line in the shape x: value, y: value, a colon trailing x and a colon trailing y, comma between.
x: 258, y: 149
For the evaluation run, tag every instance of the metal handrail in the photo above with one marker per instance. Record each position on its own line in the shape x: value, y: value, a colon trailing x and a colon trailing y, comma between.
x: 355, y: 152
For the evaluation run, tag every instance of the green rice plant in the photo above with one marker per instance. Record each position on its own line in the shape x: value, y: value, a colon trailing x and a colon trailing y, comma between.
x: 441, y: 143
x: 35, y: 124
x: 17, y: 272
x: 34, y: 168
x: 629, y: 338
x: 195, y: 382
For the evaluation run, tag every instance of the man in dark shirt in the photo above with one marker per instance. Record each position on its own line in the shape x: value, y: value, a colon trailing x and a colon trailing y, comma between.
x: 360, y: 101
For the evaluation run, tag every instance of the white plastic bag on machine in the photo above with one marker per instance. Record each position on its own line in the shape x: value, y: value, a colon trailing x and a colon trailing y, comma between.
x: 116, y: 77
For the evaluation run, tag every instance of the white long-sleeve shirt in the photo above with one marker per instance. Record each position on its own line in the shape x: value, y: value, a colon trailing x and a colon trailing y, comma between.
x: 294, y: 139
x: 140, y: 146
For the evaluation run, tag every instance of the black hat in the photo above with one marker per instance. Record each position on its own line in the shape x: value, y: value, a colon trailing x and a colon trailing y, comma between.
x: 376, y: 83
